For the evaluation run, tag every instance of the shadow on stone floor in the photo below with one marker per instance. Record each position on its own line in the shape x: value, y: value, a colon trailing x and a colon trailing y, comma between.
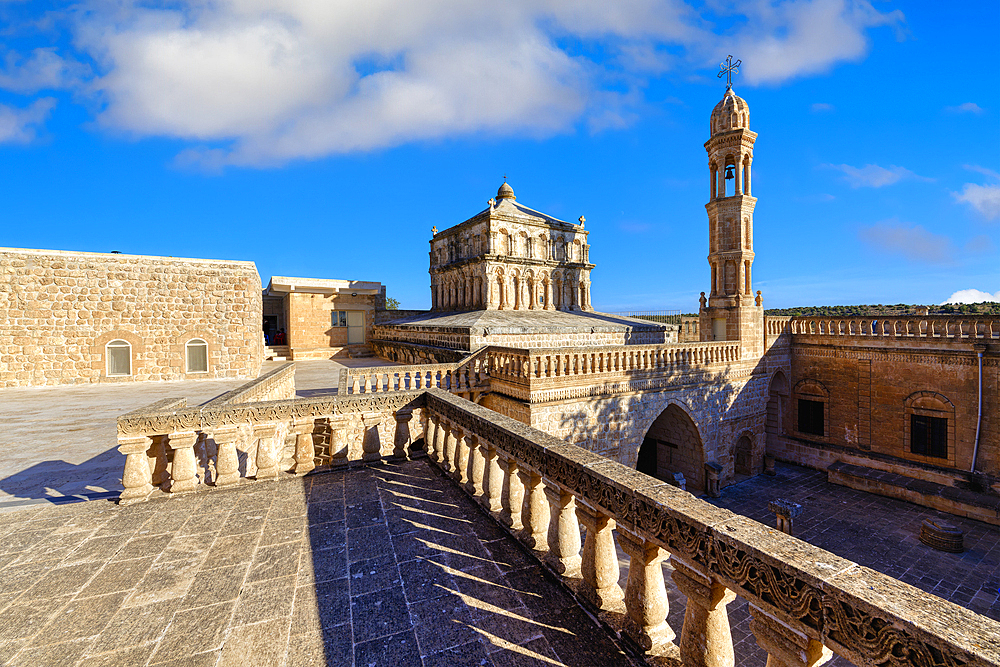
x: 60, y: 482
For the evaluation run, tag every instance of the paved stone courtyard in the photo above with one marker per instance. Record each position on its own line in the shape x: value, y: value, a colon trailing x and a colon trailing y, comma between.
x: 387, y: 565
x: 59, y: 443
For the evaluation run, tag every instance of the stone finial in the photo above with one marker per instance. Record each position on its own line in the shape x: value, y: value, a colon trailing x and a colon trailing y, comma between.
x: 582, y: 220
x: 760, y: 299
x: 434, y: 230
x: 492, y: 202
x: 703, y: 300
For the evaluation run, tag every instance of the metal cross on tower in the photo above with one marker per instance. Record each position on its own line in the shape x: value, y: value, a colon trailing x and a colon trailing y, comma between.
x: 729, y: 68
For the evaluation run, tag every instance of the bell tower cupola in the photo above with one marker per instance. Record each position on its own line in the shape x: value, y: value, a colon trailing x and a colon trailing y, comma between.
x: 731, y: 311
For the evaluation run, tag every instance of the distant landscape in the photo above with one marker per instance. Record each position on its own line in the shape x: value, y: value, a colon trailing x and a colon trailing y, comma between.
x: 899, y: 309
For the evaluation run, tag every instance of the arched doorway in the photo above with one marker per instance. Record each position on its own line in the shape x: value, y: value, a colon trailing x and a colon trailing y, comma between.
x: 673, y: 445
x: 743, y: 455
x: 777, y: 394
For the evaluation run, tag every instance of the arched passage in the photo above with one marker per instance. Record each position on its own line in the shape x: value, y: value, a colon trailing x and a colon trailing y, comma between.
x: 673, y: 445
x: 743, y: 455
x: 777, y: 395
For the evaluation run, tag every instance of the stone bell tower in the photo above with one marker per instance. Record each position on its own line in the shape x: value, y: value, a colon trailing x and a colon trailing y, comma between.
x: 731, y: 311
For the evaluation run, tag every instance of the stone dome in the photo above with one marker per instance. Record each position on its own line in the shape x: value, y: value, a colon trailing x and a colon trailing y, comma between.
x: 732, y: 113
x: 505, y: 191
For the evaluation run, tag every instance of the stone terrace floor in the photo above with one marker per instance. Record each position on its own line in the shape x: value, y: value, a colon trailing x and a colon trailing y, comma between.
x: 59, y: 444
x: 385, y: 565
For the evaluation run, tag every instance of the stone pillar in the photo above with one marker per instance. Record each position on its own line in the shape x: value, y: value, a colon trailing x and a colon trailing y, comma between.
x: 784, y: 511
x: 786, y: 646
x: 769, y: 464
x: 645, y: 595
x: 401, y: 441
x: 450, y: 445
x: 227, y: 462
x: 267, y: 456
x: 706, y: 640
x: 534, y: 510
x: 460, y: 465
x: 137, y: 478
x: 305, y: 453
x: 564, y: 532
x: 599, y: 564
x: 713, y: 471
x: 371, y: 446
x: 492, y: 480
x: 156, y: 456
x: 184, y: 470
x: 430, y: 435
x: 477, y: 465
x: 548, y: 295
x: 513, y: 494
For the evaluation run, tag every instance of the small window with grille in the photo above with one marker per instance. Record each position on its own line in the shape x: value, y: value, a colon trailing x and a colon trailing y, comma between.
x: 929, y: 436
x: 811, y: 417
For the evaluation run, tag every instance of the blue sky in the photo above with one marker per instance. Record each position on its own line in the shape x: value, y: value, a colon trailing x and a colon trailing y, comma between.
x: 325, y: 139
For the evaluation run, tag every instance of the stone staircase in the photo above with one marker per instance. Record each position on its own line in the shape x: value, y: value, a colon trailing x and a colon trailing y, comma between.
x: 360, y: 352
x: 277, y: 353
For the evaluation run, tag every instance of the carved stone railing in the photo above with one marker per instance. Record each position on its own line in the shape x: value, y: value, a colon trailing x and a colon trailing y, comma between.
x: 805, y: 603
x: 274, y: 385
x: 927, y: 326
x: 177, y: 449
x: 777, y: 325
x: 468, y: 375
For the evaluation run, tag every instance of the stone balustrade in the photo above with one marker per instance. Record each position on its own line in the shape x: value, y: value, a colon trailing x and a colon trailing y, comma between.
x: 926, y: 326
x: 181, y: 449
x: 467, y: 375
x: 806, y: 603
x: 274, y: 385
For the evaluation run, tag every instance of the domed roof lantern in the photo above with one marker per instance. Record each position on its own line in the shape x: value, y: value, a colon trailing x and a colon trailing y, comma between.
x: 506, y: 192
x: 731, y: 113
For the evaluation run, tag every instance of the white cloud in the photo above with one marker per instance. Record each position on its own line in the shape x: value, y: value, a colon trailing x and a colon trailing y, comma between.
x: 821, y: 106
x: 42, y: 69
x: 787, y: 40
x: 971, y: 296
x: 874, y: 176
x: 261, y: 82
x: 985, y: 199
x: 912, y: 242
x: 967, y: 107
x: 20, y: 126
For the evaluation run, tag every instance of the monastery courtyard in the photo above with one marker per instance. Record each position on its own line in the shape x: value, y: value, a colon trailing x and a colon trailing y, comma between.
x: 388, y: 564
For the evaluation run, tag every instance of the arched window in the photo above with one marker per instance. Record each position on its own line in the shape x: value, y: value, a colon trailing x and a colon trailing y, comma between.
x: 929, y: 426
x: 196, y: 356
x: 812, y: 408
x: 119, y: 358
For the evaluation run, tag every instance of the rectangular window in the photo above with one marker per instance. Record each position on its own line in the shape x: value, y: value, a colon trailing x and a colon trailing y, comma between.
x: 811, y: 417
x: 338, y: 318
x: 119, y: 360
x: 197, y: 358
x: 929, y: 436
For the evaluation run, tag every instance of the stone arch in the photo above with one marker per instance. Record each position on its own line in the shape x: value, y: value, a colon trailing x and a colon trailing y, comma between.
x: 743, y: 458
x: 673, y: 444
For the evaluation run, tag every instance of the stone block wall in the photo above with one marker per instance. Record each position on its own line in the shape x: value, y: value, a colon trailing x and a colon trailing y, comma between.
x: 60, y: 309
x: 310, y: 331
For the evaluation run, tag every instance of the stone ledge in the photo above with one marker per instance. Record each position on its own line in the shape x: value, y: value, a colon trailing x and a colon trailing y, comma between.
x: 950, y: 499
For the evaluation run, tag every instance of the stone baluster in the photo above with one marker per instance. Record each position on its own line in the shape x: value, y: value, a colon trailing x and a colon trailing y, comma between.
x: 599, y: 563
x: 227, y: 462
x: 267, y: 456
x: 450, y: 445
x: 184, y: 469
x: 786, y: 646
x: 460, y: 466
x: 492, y: 480
x: 158, y: 461
x: 645, y: 595
x: 339, y: 447
x: 706, y: 640
x: 513, y: 494
x: 534, y: 510
x: 305, y: 453
x: 401, y: 440
x: 564, y: 532
x: 477, y: 466
x: 441, y: 441
x: 371, y: 446
x: 430, y: 432
x: 137, y: 478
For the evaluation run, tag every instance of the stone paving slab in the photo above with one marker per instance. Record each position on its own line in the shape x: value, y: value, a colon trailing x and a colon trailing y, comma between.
x: 58, y: 443
x: 386, y: 565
